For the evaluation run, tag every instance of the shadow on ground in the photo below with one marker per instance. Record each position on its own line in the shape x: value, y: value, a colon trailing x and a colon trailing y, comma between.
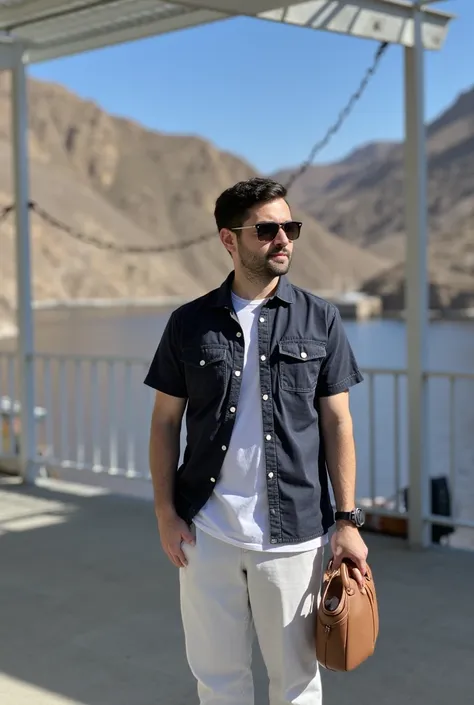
x: 89, y: 612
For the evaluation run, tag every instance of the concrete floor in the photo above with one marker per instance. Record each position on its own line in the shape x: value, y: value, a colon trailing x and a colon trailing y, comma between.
x: 89, y: 611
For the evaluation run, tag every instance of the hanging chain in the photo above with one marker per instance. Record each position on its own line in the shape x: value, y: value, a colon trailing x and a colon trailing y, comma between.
x: 184, y: 244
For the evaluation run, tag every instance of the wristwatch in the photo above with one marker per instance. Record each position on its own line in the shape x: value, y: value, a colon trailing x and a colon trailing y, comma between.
x: 356, y: 516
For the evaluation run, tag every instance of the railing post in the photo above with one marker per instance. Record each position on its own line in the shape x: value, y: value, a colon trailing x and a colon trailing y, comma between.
x: 25, y: 347
x: 416, y: 285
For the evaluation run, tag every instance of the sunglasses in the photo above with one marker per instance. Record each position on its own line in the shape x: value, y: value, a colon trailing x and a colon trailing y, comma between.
x: 266, y: 232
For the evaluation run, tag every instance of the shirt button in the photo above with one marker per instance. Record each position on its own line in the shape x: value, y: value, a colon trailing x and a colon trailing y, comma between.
x: 304, y: 355
x: 237, y: 373
x: 239, y: 334
x: 273, y: 541
x: 268, y: 437
x: 224, y: 448
x: 232, y: 409
x: 213, y: 479
x: 262, y: 320
x: 202, y: 363
x: 270, y: 475
x: 265, y: 397
x: 273, y: 512
x: 263, y: 358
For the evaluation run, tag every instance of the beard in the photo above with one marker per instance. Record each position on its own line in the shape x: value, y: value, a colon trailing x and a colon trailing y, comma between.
x: 263, y: 268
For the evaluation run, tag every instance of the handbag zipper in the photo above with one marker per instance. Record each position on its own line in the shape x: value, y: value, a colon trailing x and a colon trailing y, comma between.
x: 327, y: 629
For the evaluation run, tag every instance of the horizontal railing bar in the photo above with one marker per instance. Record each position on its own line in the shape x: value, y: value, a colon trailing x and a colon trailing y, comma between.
x: 453, y: 375
x: 449, y: 521
x: 66, y: 357
x: 56, y: 463
x: 381, y: 512
x: 383, y: 371
x: 142, y: 361
x: 431, y: 518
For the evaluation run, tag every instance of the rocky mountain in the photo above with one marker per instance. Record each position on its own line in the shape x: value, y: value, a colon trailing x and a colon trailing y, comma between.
x: 110, y: 178
x: 451, y: 269
x: 361, y: 199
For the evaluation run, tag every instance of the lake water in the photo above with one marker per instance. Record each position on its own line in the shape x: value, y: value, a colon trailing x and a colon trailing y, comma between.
x: 377, y: 344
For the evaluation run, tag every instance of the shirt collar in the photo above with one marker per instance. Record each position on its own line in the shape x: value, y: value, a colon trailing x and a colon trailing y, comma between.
x: 223, y: 295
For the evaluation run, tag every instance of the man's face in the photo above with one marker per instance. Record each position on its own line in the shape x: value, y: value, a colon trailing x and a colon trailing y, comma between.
x: 264, y: 260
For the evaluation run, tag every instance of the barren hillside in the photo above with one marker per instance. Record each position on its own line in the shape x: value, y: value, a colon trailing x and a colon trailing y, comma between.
x: 113, y: 179
x: 361, y: 198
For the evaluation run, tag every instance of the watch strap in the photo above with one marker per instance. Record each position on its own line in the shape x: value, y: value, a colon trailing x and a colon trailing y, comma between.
x: 356, y: 517
x: 345, y: 516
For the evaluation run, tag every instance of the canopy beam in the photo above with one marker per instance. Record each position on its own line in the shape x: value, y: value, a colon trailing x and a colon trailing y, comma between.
x: 24, y: 313
x: 54, y: 28
x: 416, y: 288
x: 383, y: 20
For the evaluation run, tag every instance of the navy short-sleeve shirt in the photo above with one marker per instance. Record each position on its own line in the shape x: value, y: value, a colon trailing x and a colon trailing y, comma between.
x: 304, y: 354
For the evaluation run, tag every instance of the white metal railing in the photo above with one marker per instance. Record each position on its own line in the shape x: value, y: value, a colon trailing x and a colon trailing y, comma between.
x: 97, y: 418
x: 8, y: 408
x: 382, y: 441
x: 98, y: 413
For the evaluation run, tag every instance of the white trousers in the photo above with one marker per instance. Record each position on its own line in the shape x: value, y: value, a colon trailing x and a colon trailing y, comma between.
x: 225, y: 591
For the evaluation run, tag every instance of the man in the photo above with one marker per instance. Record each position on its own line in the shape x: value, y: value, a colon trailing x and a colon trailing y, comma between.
x: 264, y: 369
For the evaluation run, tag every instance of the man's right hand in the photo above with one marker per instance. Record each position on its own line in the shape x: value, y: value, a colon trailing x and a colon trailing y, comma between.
x: 173, y: 531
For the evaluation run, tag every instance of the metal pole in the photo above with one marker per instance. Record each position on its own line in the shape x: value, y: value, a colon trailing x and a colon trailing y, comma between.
x: 416, y: 295
x: 25, y: 346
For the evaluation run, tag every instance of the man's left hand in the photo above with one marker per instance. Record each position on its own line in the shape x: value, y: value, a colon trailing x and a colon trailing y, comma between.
x: 346, y: 542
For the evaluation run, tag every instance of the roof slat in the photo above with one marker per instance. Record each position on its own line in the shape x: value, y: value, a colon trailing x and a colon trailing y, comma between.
x: 53, y: 28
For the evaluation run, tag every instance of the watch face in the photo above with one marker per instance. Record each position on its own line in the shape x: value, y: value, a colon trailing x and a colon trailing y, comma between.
x: 359, y: 517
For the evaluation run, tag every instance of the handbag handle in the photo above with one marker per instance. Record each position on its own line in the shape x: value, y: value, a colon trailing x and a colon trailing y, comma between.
x: 346, y: 579
x: 344, y: 572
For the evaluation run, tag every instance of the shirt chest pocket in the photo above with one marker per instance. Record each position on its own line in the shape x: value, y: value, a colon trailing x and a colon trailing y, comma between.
x: 206, y: 370
x: 299, y: 362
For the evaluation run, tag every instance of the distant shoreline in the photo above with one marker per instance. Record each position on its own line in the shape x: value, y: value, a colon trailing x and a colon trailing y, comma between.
x: 8, y: 328
x: 167, y: 301
x: 149, y: 302
x: 461, y: 314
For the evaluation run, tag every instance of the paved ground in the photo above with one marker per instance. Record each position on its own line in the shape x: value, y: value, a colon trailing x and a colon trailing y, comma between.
x: 89, y: 612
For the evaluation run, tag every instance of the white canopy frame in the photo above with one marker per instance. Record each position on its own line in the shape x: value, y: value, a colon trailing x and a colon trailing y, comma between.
x: 38, y: 30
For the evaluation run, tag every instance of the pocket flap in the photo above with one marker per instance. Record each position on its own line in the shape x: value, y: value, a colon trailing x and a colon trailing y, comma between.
x: 302, y: 350
x: 204, y: 355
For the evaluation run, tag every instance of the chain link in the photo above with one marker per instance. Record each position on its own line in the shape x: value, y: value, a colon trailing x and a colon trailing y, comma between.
x: 111, y: 246
x: 342, y: 117
x: 157, y: 249
x: 5, y: 212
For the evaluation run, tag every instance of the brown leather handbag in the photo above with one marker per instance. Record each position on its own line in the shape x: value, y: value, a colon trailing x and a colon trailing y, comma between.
x: 347, y: 620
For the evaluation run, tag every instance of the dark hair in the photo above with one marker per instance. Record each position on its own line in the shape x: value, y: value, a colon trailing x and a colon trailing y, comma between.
x: 233, y: 205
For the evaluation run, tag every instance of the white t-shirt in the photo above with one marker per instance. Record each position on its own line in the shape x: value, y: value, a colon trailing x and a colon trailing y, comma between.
x: 237, y: 511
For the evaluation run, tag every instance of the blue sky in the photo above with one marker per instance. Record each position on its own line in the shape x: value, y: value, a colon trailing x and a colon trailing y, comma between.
x: 264, y: 91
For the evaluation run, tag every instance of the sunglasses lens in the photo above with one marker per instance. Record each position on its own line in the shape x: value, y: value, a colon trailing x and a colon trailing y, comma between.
x: 292, y: 230
x: 267, y: 231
